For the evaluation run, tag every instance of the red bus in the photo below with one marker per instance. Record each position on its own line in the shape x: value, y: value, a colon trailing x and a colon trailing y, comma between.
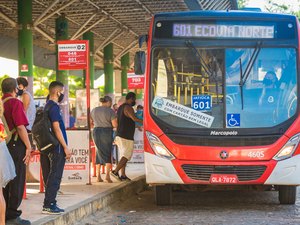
x: 221, y: 104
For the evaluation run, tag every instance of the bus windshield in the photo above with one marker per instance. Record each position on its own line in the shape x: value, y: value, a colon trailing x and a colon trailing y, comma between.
x: 193, y: 87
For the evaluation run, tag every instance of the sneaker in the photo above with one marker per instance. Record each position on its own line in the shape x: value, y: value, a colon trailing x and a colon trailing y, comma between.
x: 60, y: 209
x: 115, y: 175
x: 18, y: 221
x: 125, y: 178
x: 52, y: 210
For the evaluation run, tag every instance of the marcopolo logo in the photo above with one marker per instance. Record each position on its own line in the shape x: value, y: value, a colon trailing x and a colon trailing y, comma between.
x: 75, y: 176
x: 223, y: 133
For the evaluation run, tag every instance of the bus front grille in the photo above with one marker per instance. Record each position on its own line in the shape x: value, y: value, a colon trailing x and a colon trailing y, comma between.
x: 203, y: 172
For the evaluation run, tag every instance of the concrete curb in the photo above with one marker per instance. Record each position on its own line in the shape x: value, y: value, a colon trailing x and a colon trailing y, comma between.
x: 95, y: 203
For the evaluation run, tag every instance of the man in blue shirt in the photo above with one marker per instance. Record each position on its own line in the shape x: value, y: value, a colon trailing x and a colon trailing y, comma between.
x: 53, y: 163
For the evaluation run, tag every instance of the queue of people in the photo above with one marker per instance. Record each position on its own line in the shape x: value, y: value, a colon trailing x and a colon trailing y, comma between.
x: 123, y: 120
x: 17, y: 110
x: 15, y: 148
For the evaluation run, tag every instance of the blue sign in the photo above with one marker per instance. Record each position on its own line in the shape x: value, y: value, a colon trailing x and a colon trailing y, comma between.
x: 201, y: 102
x: 233, y: 120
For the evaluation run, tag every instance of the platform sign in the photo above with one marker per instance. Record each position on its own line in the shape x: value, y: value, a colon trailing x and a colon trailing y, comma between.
x: 135, y: 81
x: 72, y: 55
x: 201, y: 102
x: 77, y: 168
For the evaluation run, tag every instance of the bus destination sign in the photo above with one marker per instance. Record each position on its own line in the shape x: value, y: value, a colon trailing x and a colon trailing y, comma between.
x: 182, y: 30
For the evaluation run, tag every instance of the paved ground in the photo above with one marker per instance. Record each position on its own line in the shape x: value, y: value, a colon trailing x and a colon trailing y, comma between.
x: 71, y: 196
x: 209, y: 208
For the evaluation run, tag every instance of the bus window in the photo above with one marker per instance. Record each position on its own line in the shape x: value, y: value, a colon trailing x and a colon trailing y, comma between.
x: 180, y: 75
x: 268, y: 105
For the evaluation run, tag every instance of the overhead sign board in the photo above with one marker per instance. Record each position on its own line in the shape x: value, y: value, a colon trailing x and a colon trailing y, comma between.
x: 72, y: 55
x: 135, y: 81
x: 222, y: 31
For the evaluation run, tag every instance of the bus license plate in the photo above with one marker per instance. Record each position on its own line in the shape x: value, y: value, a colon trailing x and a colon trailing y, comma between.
x: 223, y: 179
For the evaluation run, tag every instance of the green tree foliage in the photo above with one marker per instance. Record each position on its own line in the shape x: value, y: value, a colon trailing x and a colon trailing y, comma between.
x: 242, y: 3
x: 41, y: 79
x: 75, y: 83
x: 1, y: 79
x: 279, y: 7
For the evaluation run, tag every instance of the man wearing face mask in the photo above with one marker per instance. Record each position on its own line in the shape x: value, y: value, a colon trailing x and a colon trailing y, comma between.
x: 269, y: 93
x: 53, y: 163
x: 28, y: 103
x: 125, y: 133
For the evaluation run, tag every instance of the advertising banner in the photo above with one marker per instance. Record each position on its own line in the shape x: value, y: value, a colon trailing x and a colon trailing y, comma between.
x: 77, y: 168
x: 81, y: 105
x: 138, y: 147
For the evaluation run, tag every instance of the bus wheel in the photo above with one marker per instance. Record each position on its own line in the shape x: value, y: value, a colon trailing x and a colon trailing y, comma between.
x: 163, y: 195
x: 287, y: 194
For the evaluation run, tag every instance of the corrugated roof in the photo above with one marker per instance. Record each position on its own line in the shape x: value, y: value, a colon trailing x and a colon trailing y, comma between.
x: 116, y: 21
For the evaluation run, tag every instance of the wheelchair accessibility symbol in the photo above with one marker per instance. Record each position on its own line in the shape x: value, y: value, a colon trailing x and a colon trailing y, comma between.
x: 233, y: 120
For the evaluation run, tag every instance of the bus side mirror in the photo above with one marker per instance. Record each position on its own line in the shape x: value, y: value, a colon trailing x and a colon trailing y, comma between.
x: 139, y: 62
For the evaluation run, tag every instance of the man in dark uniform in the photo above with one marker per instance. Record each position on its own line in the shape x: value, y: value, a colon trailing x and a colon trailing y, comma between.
x: 125, y: 132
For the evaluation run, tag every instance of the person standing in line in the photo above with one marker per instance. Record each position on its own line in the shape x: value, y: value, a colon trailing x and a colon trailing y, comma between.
x: 53, y: 163
x: 19, y: 148
x: 125, y: 134
x: 103, y: 119
x: 115, y: 107
x: 140, y: 115
x: 28, y: 103
x: 7, y: 167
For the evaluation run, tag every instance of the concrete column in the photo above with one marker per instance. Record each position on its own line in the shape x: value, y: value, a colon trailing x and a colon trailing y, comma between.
x: 109, y: 69
x: 61, y: 33
x: 25, y: 42
x: 90, y: 37
x: 124, y: 66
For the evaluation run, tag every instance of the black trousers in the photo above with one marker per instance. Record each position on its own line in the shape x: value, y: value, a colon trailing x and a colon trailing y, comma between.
x: 52, y: 169
x: 13, y: 192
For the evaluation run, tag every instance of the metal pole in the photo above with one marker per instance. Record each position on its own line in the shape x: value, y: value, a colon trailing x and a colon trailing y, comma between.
x: 88, y: 100
x: 90, y: 37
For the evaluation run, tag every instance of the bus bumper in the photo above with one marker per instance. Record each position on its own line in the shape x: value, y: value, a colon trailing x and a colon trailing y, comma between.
x: 286, y: 172
x: 160, y: 171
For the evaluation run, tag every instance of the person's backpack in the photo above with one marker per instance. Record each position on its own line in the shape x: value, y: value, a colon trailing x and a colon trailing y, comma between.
x: 42, y: 131
x: 9, y: 133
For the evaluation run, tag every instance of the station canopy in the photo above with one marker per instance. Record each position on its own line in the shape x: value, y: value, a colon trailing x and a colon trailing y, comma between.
x: 112, y: 21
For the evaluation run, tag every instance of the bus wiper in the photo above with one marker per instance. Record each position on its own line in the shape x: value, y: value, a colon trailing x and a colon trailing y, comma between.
x: 206, y: 68
x: 241, y: 86
x: 202, y: 61
x: 244, y: 76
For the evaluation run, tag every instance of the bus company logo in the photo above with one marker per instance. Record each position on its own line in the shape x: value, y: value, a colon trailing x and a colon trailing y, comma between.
x: 159, y: 102
x: 224, y: 155
x: 224, y: 133
x: 75, y: 176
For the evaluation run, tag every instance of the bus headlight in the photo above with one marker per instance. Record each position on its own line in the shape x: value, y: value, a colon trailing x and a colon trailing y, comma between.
x: 158, y: 147
x: 288, y: 149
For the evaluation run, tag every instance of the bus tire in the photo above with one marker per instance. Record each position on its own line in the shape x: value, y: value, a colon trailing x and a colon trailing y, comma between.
x: 163, y: 195
x: 287, y: 194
